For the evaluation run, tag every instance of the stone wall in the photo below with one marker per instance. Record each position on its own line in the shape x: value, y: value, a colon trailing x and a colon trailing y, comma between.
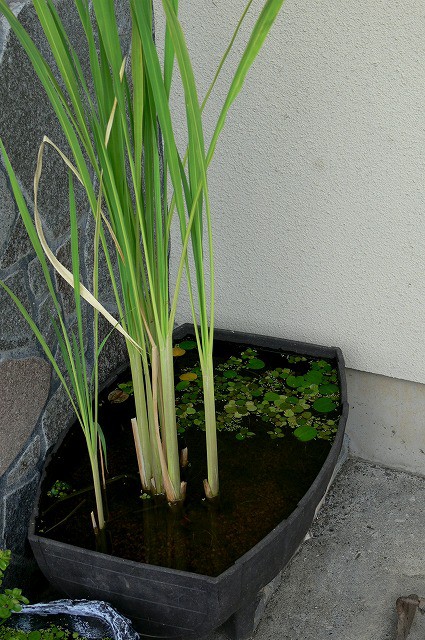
x: 34, y: 409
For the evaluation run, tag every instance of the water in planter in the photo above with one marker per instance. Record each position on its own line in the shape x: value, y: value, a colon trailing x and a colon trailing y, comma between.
x: 277, y: 414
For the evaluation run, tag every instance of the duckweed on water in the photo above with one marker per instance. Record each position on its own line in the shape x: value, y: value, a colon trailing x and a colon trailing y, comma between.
x: 302, y: 395
x: 59, y: 489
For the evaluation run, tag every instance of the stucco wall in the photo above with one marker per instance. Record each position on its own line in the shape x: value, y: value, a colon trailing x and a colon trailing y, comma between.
x: 318, y: 188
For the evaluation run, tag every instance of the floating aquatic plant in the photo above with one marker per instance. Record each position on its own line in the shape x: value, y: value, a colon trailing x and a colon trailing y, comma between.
x: 277, y: 397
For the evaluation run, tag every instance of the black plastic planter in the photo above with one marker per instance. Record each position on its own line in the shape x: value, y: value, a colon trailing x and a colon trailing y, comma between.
x: 169, y: 603
x: 92, y: 619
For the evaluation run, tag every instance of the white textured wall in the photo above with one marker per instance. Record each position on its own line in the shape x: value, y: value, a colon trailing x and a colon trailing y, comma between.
x: 318, y: 188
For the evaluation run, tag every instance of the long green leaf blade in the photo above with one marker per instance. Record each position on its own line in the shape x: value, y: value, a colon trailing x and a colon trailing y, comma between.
x: 261, y: 29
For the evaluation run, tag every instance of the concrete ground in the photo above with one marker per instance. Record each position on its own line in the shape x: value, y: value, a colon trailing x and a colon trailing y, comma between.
x: 367, y: 548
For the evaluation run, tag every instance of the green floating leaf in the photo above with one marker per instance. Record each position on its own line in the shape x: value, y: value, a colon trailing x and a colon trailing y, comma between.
x: 190, y: 410
x: 328, y: 389
x: 305, y: 433
x: 324, y: 405
x: 313, y: 377
x: 277, y: 433
x: 230, y: 374
x: 183, y: 384
x: 271, y: 396
x: 298, y: 409
x: 190, y: 376
x: 256, y: 363
x: 295, y: 381
x: 127, y: 387
x: 325, y: 366
x: 187, y: 345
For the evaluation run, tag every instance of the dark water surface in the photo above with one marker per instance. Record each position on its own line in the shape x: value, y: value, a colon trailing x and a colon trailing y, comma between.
x: 261, y: 482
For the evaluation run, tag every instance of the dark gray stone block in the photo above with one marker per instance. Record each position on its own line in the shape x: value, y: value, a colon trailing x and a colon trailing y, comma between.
x: 124, y: 24
x: 7, y: 210
x: 37, y: 280
x: 18, y: 246
x: 26, y: 116
x: 25, y: 387
x: 3, y: 36
x: 57, y: 417
x: 46, y: 313
x: 26, y: 463
x: 15, y: 331
x: 18, y: 506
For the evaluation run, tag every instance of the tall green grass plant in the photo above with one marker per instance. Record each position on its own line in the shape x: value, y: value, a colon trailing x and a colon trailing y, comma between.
x: 80, y: 385
x: 119, y: 126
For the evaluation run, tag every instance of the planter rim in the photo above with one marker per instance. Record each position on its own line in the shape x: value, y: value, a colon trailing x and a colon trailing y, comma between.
x: 241, y: 338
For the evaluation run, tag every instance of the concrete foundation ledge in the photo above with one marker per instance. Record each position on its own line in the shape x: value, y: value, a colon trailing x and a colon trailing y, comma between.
x: 386, y: 422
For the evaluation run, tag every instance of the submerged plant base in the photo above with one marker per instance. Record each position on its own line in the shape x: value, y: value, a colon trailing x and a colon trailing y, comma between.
x: 265, y: 469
